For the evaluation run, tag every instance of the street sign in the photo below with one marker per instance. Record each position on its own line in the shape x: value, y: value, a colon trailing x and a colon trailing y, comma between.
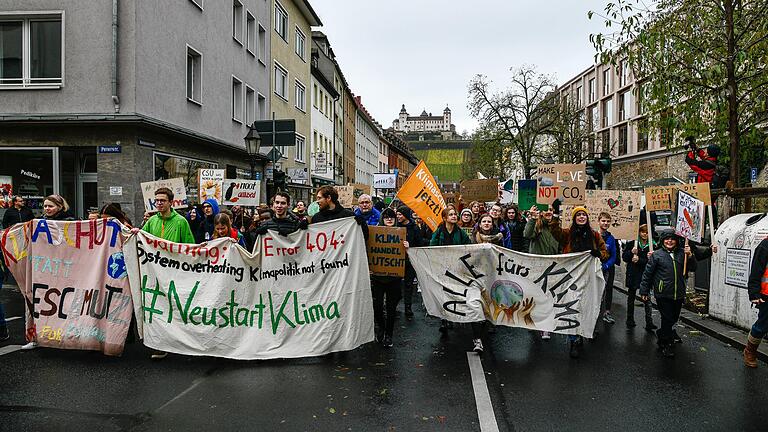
x: 298, y: 175
x: 268, y: 169
x: 321, y: 163
x: 110, y: 149
x: 274, y: 154
x: 284, y: 132
x: 753, y: 175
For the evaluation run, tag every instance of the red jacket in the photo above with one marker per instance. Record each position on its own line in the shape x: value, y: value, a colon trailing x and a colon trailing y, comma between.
x: 705, y: 166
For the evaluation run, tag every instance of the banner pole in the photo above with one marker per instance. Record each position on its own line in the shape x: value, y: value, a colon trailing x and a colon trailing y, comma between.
x: 650, y: 232
x: 685, y: 263
x: 711, y: 226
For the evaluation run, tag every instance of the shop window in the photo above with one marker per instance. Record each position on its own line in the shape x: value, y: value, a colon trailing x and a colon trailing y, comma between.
x: 28, y: 173
x: 170, y: 166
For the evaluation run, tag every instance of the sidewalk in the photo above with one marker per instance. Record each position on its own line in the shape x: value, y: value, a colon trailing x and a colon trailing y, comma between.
x: 725, y: 333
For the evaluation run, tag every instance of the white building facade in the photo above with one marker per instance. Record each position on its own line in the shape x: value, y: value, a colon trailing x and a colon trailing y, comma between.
x: 425, y: 122
x: 366, y: 145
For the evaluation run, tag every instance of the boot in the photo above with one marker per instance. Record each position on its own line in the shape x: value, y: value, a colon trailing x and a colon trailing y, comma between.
x: 4, y: 336
x: 750, y: 351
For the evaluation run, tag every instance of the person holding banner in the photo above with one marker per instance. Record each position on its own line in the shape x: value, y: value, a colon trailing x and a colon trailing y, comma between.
x: 330, y: 207
x: 580, y: 237
x: 413, y: 236
x: 487, y: 232
x: 609, y: 269
x: 389, y: 287
x: 636, y: 256
x: 223, y: 229
x: 282, y: 220
x: 206, y: 227
x: 757, y: 287
x: 516, y: 223
x: 667, y: 273
x: 55, y: 207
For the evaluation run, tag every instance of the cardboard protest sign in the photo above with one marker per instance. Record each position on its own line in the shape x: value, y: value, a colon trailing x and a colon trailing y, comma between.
x: 74, y: 280
x: 452, y: 198
x: 526, y: 195
x: 566, y: 182
x: 301, y: 295
x: 210, y: 183
x: 386, y: 253
x: 623, y: 206
x: 176, y: 185
x: 659, y: 198
x: 422, y: 195
x: 346, y: 195
x: 559, y: 293
x: 483, y: 190
x: 689, y: 217
x: 242, y: 192
x: 359, y: 189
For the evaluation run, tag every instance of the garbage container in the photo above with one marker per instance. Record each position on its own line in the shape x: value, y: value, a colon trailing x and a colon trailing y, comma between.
x: 736, y: 240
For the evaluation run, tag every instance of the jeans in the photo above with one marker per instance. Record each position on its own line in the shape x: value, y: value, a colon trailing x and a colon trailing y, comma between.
x: 670, y: 313
x: 631, y: 292
x: 392, y: 292
x: 608, y: 291
x: 760, y: 327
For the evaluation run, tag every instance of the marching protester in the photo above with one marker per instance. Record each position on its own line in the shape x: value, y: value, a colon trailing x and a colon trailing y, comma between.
x: 206, y: 227
x: 609, y: 269
x: 366, y: 210
x: 516, y: 223
x: 540, y: 231
x: 300, y: 211
x: 55, y: 207
x: 474, y: 207
x: 413, y: 236
x: 168, y: 225
x: 19, y: 213
x: 240, y: 220
x: 757, y: 288
x: 223, y: 229
x: 448, y: 233
x: 466, y: 220
x: 426, y: 233
x: 487, y: 232
x: 114, y: 210
x: 330, y: 208
x: 580, y: 237
x: 636, y: 256
x: 282, y: 221
x: 666, y: 274
x: 389, y: 287
x: 500, y: 224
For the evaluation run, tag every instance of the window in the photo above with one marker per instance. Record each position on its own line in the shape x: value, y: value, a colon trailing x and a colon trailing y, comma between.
x: 194, y: 81
x: 301, y: 144
x: 31, y: 52
x: 605, y: 138
x: 169, y: 166
x: 591, y: 90
x: 314, y: 95
x: 606, y: 82
x: 607, y: 113
x: 594, y: 118
x: 250, y: 33
x: 301, y: 96
x: 250, y: 105
x: 625, y: 105
x: 281, y: 21
x: 579, y: 97
x: 237, y: 100
x: 262, y: 44
x: 300, y: 43
x: 261, y: 101
x: 623, y: 140
x: 642, y: 135
x: 237, y: 21
x: 281, y: 82
x: 623, y: 73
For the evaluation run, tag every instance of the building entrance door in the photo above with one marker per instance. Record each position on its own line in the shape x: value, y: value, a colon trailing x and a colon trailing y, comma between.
x: 87, y: 194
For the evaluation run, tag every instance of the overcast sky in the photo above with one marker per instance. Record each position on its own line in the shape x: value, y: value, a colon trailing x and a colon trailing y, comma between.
x: 423, y: 53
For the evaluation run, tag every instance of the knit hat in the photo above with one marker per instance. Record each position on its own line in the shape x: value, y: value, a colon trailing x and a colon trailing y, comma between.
x: 666, y: 232
x: 405, y: 211
x: 467, y: 211
x: 713, y: 150
x: 578, y: 209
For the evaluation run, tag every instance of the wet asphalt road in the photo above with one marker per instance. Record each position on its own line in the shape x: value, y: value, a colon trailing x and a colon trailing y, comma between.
x: 423, y: 384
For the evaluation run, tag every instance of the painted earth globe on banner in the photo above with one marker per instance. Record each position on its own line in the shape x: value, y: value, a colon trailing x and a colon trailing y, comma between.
x: 116, y: 266
x: 506, y: 293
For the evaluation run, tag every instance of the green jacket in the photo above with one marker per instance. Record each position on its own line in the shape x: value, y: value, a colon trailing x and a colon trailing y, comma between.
x: 174, y: 228
x: 543, y: 243
x: 441, y: 237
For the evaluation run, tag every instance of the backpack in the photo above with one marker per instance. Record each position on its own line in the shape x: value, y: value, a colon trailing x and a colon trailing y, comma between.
x: 722, y: 175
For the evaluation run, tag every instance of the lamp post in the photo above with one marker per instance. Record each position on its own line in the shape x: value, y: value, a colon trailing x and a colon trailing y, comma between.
x: 252, y: 146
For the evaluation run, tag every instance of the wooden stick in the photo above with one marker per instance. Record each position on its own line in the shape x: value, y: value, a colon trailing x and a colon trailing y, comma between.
x: 650, y: 231
x: 711, y: 225
x: 685, y: 262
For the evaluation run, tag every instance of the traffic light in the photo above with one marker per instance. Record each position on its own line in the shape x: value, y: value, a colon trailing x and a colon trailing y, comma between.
x: 605, y: 164
x: 596, y: 168
x: 279, y: 176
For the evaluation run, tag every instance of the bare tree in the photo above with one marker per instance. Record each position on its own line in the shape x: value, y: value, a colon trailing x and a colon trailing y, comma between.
x: 516, y: 116
x: 569, y: 135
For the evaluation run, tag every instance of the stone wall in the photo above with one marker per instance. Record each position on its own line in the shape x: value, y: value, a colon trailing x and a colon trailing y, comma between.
x: 627, y: 175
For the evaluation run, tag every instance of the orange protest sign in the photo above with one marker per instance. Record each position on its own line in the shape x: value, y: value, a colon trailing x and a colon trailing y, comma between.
x: 421, y: 194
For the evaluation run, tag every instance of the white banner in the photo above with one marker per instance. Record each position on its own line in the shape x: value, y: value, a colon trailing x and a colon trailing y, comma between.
x: 306, y: 294
x: 384, y: 181
x: 556, y: 293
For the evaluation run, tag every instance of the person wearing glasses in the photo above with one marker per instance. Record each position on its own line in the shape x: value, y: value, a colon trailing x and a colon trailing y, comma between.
x: 19, y: 213
x: 366, y: 210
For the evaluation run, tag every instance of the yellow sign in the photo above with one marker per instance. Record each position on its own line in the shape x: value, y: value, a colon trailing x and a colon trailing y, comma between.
x: 662, y: 197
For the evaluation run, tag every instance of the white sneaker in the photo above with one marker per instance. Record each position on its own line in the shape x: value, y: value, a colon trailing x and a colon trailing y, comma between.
x: 478, y: 346
x: 30, y: 346
x: 545, y: 335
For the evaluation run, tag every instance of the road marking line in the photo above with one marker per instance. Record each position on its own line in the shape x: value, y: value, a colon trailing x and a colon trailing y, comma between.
x: 9, y: 349
x: 12, y: 319
x: 195, y: 383
x: 482, y: 397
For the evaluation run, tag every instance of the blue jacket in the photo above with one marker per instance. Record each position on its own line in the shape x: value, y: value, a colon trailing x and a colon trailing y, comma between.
x: 610, y: 244
x: 371, y: 218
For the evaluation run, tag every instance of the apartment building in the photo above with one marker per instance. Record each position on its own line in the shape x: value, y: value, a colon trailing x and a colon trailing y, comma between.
x: 291, y: 40
x: 96, y: 97
x: 324, y: 118
x: 367, y: 134
x: 349, y: 137
x: 608, y: 95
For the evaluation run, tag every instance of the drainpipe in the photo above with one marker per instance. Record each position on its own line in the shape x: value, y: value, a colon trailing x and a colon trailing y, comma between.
x: 115, y: 98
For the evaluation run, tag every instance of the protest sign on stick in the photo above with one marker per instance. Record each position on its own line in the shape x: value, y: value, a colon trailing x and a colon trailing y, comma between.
x: 346, y: 195
x: 176, y: 185
x: 242, y: 192
x: 421, y: 194
x: 566, y: 182
x: 210, y: 183
x: 526, y: 195
x: 483, y: 190
x: 623, y: 206
x: 386, y: 253
x: 689, y: 217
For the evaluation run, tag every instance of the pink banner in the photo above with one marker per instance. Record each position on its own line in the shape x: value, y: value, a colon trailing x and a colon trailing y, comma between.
x: 74, y: 281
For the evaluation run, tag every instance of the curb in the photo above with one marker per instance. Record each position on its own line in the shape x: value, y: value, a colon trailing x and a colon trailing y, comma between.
x: 719, y: 330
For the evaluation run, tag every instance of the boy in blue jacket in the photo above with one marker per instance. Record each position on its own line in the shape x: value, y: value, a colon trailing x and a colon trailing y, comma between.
x: 609, y: 271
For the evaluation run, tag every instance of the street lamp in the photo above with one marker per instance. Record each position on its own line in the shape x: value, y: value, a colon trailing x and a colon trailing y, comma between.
x: 252, y: 146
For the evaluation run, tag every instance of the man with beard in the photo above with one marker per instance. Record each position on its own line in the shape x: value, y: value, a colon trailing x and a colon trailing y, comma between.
x: 330, y: 208
x: 282, y: 220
